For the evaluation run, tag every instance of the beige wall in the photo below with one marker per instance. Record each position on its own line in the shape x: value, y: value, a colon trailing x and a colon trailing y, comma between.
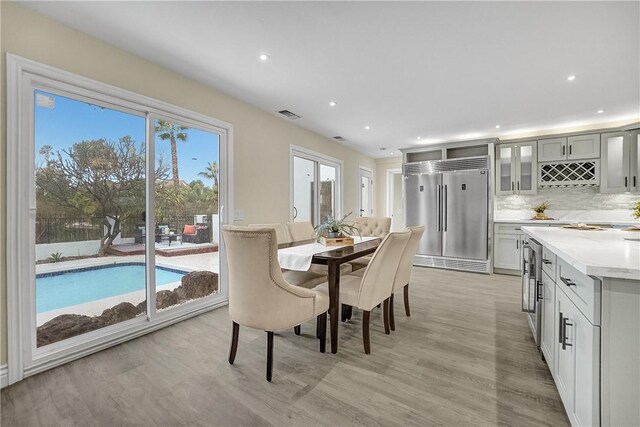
x: 261, y: 145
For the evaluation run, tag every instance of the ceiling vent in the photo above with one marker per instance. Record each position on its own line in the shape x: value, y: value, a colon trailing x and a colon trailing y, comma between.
x: 288, y: 114
x: 340, y: 139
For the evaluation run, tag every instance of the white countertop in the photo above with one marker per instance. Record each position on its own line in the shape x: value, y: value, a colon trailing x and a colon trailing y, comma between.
x: 601, y: 253
x: 595, y: 216
x: 563, y: 221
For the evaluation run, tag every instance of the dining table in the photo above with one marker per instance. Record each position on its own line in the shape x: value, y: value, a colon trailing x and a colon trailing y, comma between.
x: 333, y: 258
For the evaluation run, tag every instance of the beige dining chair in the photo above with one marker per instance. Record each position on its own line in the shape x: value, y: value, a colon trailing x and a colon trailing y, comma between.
x: 370, y: 227
x: 300, y: 231
x: 375, y: 285
x: 305, y: 279
x: 403, y: 275
x: 259, y: 296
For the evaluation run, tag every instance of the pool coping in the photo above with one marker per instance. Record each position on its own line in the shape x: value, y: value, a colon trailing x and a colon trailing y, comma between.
x: 105, y: 266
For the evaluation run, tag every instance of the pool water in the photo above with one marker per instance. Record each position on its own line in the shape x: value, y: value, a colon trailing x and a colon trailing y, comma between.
x: 58, y: 290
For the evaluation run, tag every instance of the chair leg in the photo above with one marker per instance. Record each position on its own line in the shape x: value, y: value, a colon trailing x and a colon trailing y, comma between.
x: 322, y: 331
x: 343, y: 312
x: 392, y: 319
x: 406, y: 300
x: 318, y: 327
x: 350, y: 312
x: 235, y: 331
x: 366, y: 339
x: 385, y: 316
x: 296, y: 330
x: 269, y: 355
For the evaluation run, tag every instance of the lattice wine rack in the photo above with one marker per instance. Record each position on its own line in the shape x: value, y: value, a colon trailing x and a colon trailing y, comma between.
x: 570, y: 174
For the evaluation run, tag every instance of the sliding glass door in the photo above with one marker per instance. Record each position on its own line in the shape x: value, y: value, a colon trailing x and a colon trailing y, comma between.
x: 116, y: 203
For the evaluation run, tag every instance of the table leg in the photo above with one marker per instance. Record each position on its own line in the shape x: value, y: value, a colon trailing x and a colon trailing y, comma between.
x: 334, y: 302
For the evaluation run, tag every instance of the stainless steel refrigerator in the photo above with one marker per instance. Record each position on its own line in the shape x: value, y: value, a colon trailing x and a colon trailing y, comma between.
x: 451, y: 198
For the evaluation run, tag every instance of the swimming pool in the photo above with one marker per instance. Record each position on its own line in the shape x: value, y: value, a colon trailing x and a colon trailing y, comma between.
x: 71, y: 287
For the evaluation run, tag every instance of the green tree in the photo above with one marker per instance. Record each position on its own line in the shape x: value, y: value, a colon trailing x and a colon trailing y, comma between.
x: 211, y: 172
x: 172, y: 132
x: 99, y: 178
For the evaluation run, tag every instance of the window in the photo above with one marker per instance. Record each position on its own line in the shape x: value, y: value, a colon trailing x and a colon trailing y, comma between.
x: 116, y: 201
x: 316, y: 186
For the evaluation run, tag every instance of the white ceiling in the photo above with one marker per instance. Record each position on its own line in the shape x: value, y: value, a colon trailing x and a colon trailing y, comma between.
x: 441, y: 71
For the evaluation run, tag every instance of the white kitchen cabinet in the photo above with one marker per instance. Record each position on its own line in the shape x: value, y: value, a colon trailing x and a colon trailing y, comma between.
x: 634, y: 164
x: 577, y: 363
x: 552, y: 149
x: 571, y: 148
x: 507, y: 251
x: 548, y: 339
x: 616, y: 162
x: 516, y: 168
x: 583, y: 147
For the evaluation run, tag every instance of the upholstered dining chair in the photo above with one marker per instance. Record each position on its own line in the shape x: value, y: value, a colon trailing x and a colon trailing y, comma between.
x: 300, y: 231
x: 370, y: 227
x: 403, y: 275
x: 259, y: 296
x: 282, y: 232
x: 375, y: 285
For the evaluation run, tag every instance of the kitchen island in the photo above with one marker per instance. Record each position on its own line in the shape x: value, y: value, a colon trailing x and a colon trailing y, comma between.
x: 590, y: 332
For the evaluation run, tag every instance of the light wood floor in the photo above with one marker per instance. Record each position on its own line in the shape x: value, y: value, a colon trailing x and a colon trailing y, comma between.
x: 464, y: 357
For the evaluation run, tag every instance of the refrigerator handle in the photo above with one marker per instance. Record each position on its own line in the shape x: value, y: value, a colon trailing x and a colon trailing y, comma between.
x: 444, y: 208
x: 439, y: 208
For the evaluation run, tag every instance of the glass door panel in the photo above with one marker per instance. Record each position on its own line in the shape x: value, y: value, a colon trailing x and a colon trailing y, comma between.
x: 327, y: 202
x: 366, y: 193
x: 526, y: 168
x: 90, y: 177
x: 186, y: 230
x: 506, y: 173
x: 304, y: 172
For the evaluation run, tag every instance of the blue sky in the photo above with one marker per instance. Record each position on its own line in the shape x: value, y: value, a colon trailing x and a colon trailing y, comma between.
x: 70, y: 121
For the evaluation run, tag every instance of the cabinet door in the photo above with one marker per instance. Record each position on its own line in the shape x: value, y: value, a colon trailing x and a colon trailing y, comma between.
x: 578, y: 363
x: 548, y: 340
x: 505, y: 169
x: 526, y: 165
x: 634, y: 169
x: 552, y: 150
x: 615, y: 162
x: 583, y: 147
x: 507, y: 251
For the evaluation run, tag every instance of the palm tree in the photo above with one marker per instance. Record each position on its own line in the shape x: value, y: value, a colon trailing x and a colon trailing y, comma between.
x: 211, y: 172
x: 46, y: 151
x: 172, y: 132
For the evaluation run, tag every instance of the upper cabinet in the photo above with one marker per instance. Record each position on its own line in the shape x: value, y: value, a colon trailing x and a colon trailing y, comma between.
x: 516, y: 166
x: 620, y: 156
x: 571, y: 148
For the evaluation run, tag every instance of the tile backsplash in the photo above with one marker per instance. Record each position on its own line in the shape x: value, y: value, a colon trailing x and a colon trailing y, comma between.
x: 568, y: 199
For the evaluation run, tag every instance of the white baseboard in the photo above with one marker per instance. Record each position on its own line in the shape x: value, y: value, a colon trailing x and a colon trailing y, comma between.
x: 4, y: 376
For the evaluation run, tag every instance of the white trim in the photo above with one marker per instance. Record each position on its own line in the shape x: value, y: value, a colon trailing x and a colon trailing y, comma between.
x: 391, y: 193
x: 4, y: 376
x: 320, y: 159
x: 22, y: 75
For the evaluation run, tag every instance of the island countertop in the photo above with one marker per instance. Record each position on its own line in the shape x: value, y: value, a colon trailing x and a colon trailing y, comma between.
x: 601, y: 253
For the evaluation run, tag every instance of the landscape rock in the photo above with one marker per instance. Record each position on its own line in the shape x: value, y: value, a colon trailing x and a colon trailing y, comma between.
x: 119, y: 313
x: 166, y: 299
x: 197, y: 284
x: 67, y: 326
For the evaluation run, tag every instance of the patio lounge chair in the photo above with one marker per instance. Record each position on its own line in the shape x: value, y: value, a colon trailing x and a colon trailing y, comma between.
x: 198, y: 233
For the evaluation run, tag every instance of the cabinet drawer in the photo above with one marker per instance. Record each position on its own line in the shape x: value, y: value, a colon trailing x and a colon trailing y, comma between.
x: 507, y: 228
x: 583, y: 291
x: 549, y: 263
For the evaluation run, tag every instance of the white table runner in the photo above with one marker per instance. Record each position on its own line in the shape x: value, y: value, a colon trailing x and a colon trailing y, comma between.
x: 299, y: 257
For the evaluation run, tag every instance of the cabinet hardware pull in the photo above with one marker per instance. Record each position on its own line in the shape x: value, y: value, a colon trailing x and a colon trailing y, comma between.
x: 563, y: 148
x: 518, y: 244
x: 560, y: 329
x: 518, y: 185
x: 512, y: 186
x: 546, y: 261
x: 634, y: 181
x: 625, y: 181
x: 565, y: 323
x: 567, y: 282
x: 570, y: 148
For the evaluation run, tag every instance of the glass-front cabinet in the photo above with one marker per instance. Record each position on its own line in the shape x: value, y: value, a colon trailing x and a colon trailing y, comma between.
x: 516, y: 166
x: 620, y: 157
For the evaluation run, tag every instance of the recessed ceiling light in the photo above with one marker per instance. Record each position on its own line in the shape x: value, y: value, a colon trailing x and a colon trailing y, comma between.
x: 333, y: 103
x: 571, y: 78
x: 497, y: 126
x: 263, y: 57
x: 600, y: 111
x: 367, y: 127
x: 391, y: 153
x: 419, y: 138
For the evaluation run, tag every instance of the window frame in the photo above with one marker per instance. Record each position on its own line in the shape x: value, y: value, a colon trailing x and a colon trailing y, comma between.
x: 318, y: 159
